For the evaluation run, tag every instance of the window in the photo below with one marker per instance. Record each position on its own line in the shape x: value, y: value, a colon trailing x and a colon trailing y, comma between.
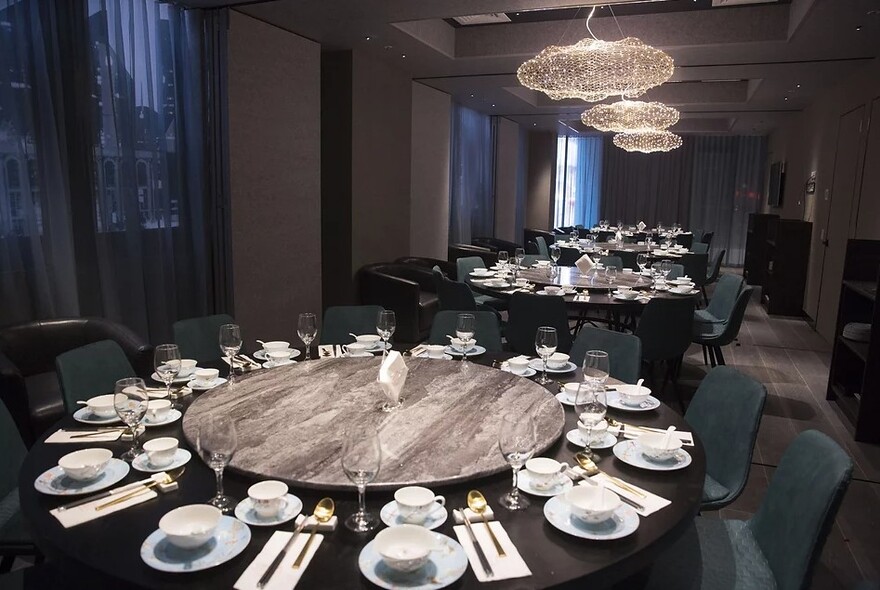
x: 578, y: 180
x: 13, y: 192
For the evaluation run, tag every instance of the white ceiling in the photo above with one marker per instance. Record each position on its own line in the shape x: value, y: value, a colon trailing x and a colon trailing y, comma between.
x: 739, y: 69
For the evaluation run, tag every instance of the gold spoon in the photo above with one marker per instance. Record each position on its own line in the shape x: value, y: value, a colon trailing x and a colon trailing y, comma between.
x: 477, y: 502
x: 169, y: 477
x: 323, y: 512
x: 591, y: 468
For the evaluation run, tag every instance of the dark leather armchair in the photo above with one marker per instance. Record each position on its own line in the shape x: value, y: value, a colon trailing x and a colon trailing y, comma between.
x: 530, y: 234
x: 448, y: 268
x: 408, y: 290
x: 496, y: 245
x: 456, y: 251
x: 28, y: 383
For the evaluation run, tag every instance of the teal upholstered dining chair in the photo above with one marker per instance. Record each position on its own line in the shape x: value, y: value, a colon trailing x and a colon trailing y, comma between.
x: 531, y: 259
x: 779, y: 546
x: 628, y: 258
x: 91, y: 370
x: 543, y: 250
x: 465, y: 266
x: 15, y: 538
x: 725, y: 413
x: 712, y: 336
x: 487, y: 332
x: 624, y: 351
x: 341, y: 321
x: 694, y: 266
x: 607, y: 261
x: 198, y: 338
x: 723, y: 301
x: 663, y: 329
x: 529, y: 312
x: 699, y: 248
x: 713, y: 272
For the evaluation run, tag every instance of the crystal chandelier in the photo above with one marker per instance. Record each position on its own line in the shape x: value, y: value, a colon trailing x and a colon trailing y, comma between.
x: 648, y: 141
x: 630, y: 116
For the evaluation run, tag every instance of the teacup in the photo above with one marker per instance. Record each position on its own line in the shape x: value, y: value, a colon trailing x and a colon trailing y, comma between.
x: 355, y: 349
x: 552, y: 289
x: 596, y: 434
x: 545, y: 472
x: 161, y: 451
x: 102, y: 405
x: 268, y: 497
x: 278, y: 356
x: 627, y: 271
x: 518, y: 365
x: 571, y: 390
x: 406, y: 547
x: 415, y: 503
x: 435, y: 351
x: 185, y: 367
x: 274, y: 345
x: 633, y: 395
x: 627, y: 293
x: 557, y: 360
x: 206, y: 376
x: 542, y: 263
x: 653, y: 446
x: 460, y: 345
x: 520, y: 282
x: 85, y: 464
x: 190, y: 526
x: 158, y: 409
x: 369, y: 340
x: 592, y: 504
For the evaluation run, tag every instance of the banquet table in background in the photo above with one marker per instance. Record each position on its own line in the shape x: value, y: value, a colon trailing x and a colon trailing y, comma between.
x: 107, y: 551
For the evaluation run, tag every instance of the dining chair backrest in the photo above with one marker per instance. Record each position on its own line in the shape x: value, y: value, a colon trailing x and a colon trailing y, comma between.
x: 665, y: 328
x: 531, y: 259
x: 624, y: 351
x: 532, y: 248
x: 700, y: 248
x: 340, y: 321
x: 603, y: 235
x: 725, y: 413
x: 676, y: 272
x: 543, y: 250
x: 684, y: 240
x: 198, y: 338
x: 695, y: 267
x: 724, y: 296
x: 707, y: 237
x: 91, y: 370
x: 733, y: 324
x: 799, y: 507
x: 527, y: 313
x: 698, y: 235
x: 715, y: 267
x: 466, y: 265
x: 614, y: 261
x: 628, y: 258
x: 487, y: 329
x: 12, y: 453
x: 453, y: 295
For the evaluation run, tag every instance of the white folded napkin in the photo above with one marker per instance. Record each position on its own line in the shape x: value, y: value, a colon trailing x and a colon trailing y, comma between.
x: 64, y: 436
x: 503, y: 568
x: 392, y: 376
x: 313, y: 523
x: 650, y: 502
x: 472, y: 516
x: 85, y: 513
x: 285, y: 577
x: 584, y: 264
x: 326, y: 351
x: 641, y: 226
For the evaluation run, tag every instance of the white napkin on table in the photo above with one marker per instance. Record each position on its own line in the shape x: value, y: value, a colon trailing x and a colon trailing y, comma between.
x: 503, y: 568
x: 651, y: 502
x: 584, y: 264
x: 392, y: 376
x: 285, y: 577
x: 65, y: 436
x: 85, y: 513
x: 641, y: 226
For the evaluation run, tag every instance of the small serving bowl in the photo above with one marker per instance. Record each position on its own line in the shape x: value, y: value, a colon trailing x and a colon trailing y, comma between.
x: 273, y: 345
x: 190, y: 526
x: 557, y: 360
x: 633, y: 395
x: 652, y: 446
x: 85, y: 464
x: 102, y: 405
x: 405, y: 547
x: 371, y: 340
x: 592, y: 504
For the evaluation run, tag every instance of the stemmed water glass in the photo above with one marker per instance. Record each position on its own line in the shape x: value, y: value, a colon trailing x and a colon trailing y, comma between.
x: 361, y: 461
x: 217, y: 441
x: 166, y: 361
x: 574, y: 235
x: 665, y: 268
x: 642, y: 263
x: 555, y: 253
x: 464, y: 331
x: 307, y: 330
x: 590, y: 407
x: 545, y: 346
x: 230, y: 345
x: 130, y: 400
x: 503, y: 258
x: 596, y: 367
x: 610, y: 277
x: 517, y: 441
x: 518, y: 255
x: 656, y: 274
x: 385, y: 325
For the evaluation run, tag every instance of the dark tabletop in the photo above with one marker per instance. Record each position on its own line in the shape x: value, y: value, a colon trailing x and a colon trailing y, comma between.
x: 106, y: 551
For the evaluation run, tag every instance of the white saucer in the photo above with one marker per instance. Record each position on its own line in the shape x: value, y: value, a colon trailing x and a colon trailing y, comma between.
x: 379, y: 346
x: 142, y: 462
x: 363, y: 355
x: 628, y: 452
x: 178, y: 379
x: 85, y: 416
x: 576, y: 438
x: 173, y: 416
x: 391, y: 517
x: 444, y: 567
x: 529, y: 372
x: 55, y: 483
x: 564, y: 399
x: 524, y: 483
x: 688, y: 294
x: 199, y: 386
x: 230, y: 538
x: 482, y: 275
x: 424, y: 355
x: 273, y: 364
x: 543, y: 292
x: 261, y: 356
x: 623, y: 522
x: 475, y: 350
x: 614, y: 401
x: 245, y: 512
x: 537, y: 365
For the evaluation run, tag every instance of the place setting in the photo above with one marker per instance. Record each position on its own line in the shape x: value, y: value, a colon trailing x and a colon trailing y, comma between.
x: 654, y: 451
x: 543, y: 476
x: 433, y: 351
x: 519, y: 366
x: 557, y: 363
x: 415, y: 505
x: 268, y: 503
x: 160, y: 412
x: 632, y: 398
x: 205, y: 379
x: 161, y: 454
x: 591, y: 512
x: 98, y: 410
x: 269, y: 346
x: 82, y: 472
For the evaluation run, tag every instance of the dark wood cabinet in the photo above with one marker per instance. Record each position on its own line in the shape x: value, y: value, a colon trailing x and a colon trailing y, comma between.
x: 854, y: 377
x: 788, y: 256
x: 755, y: 263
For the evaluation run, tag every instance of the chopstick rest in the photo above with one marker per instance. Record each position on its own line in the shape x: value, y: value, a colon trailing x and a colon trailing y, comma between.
x: 313, y: 524
x: 285, y: 576
x: 473, y: 516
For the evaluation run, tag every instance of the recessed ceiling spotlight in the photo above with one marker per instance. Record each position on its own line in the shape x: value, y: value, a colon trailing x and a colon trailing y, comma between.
x: 388, y: 47
x: 368, y: 38
x: 859, y: 28
x: 493, y: 105
x: 472, y: 95
x: 403, y: 55
x: 534, y: 124
x: 798, y: 85
x: 786, y: 98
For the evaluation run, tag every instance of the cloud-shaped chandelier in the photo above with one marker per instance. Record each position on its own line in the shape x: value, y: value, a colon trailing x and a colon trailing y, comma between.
x: 630, y: 116
x: 593, y: 69
x: 648, y: 141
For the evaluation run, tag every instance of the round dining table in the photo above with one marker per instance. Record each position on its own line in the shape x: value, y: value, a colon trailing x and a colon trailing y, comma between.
x: 105, y: 553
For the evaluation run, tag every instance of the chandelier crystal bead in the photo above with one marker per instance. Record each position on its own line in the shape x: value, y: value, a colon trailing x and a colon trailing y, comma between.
x: 593, y: 69
x: 629, y: 116
x: 648, y: 141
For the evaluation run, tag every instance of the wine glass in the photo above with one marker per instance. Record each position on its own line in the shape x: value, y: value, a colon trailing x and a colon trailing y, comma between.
x: 518, y: 255
x: 610, y: 277
x: 230, y: 344
x: 503, y: 258
x: 130, y: 400
x: 217, y: 441
x: 665, y: 268
x: 386, y: 322
x: 361, y: 460
x: 555, y: 253
x: 517, y: 441
x: 656, y: 274
x: 574, y: 236
x: 545, y: 346
x: 590, y: 406
x: 596, y: 367
x: 166, y: 361
x: 642, y: 261
x: 307, y: 330
x: 464, y: 331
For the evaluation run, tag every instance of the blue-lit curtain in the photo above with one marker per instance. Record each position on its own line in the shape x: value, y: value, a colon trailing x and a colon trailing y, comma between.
x: 578, y: 181
x: 727, y: 184
x: 472, y: 204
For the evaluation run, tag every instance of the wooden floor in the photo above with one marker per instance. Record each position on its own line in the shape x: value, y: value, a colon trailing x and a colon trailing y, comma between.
x: 792, y: 361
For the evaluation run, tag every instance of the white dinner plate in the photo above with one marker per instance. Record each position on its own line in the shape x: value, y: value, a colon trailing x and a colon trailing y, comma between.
x: 529, y: 372
x: 85, y: 416
x: 173, y: 416
x: 537, y: 365
x: 55, y: 483
x: 230, y: 538
x: 475, y: 350
x: 524, y: 483
x: 628, y: 452
x: 623, y: 522
x: 200, y: 386
x: 576, y: 438
x: 142, y: 462
x: 179, y: 379
x: 273, y: 364
x: 614, y: 401
x: 444, y: 567
x: 260, y: 355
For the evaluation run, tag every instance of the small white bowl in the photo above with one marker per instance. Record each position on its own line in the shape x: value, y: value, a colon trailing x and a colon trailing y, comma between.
x: 355, y: 348
x: 592, y: 504
x: 102, y: 405
x: 161, y: 450
x: 278, y: 356
x: 459, y: 345
x: 518, y: 365
x: 595, y: 434
x: 627, y: 294
x: 571, y: 390
x: 206, y: 375
x: 273, y: 345
x: 405, y: 547
x: 190, y: 526
x: 552, y: 289
x: 652, y: 446
x: 371, y: 340
x: 187, y: 366
x: 435, y: 351
x: 557, y: 360
x: 85, y: 464
x: 633, y: 395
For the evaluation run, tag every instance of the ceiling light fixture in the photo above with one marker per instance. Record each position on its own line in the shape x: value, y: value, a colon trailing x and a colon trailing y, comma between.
x: 648, y: 141
x: 630, y: 116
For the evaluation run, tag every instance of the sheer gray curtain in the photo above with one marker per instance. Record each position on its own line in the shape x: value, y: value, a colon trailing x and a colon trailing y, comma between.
x: 646, y: 187
x: 472, y: 205
x: 728, y: 181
